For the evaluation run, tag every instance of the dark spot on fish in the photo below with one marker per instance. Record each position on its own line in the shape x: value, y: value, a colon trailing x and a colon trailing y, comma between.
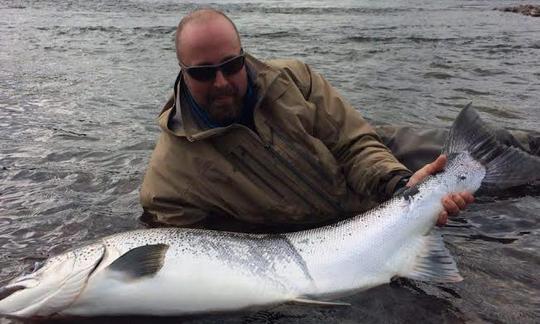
x: 409, y: 193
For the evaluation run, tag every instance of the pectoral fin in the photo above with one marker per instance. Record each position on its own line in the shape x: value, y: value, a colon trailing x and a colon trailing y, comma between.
x: 139, y: 262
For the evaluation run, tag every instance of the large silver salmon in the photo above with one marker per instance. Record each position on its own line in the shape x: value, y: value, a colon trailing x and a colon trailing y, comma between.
x: 178, y: 271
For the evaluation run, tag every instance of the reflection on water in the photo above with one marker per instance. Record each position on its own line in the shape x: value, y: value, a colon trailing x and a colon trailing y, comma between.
x: 82, y: 82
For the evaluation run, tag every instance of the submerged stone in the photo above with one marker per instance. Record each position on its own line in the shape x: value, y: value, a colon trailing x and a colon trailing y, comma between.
x: 528, y: 10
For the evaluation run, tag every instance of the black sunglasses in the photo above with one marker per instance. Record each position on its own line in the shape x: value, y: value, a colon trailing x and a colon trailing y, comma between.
x: 208, y: 72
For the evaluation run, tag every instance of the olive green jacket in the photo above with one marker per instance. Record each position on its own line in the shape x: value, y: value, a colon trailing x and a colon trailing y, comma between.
x: 312, y: 158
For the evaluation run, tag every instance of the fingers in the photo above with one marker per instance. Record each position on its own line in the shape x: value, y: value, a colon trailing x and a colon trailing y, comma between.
x: 450, y: 206
x: 438, y: 164
x: 469, y: 198
x: 459, y: 201
x: 419, y: 175
x: 443, y: 218
x: 427, y: 170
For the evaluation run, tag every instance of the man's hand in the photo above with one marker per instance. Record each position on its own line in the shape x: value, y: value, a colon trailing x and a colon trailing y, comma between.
x: 453, y: 202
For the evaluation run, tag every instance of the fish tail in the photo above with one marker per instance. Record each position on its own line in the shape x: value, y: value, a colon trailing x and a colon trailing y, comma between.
x: 506, y: 166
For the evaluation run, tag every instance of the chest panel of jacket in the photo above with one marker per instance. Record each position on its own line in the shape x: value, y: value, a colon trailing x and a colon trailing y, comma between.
x: 286, y: 173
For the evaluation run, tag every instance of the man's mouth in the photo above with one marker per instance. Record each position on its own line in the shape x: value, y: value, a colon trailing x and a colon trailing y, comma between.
x: 223, y: 98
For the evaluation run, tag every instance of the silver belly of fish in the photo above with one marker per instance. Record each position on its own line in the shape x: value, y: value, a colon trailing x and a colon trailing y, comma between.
x: 201, y: 271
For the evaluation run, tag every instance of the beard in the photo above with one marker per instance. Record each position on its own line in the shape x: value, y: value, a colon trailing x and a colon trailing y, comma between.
x: 225, y: 105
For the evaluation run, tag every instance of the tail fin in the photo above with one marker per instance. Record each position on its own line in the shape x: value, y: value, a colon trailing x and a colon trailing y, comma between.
x: 505, y: 166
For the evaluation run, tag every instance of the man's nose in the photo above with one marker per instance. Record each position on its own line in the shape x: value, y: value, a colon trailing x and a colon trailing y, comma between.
x: 220, y: 79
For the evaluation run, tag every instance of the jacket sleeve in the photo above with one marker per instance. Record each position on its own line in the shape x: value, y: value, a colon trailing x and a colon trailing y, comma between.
x: 158, y: 209
x: 369, y: 166
x: 164, y: 201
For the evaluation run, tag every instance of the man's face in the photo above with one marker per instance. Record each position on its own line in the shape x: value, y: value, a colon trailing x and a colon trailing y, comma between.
x: 207, y: 43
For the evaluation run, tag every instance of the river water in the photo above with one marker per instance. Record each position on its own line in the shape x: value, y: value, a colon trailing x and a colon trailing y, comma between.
x: 81, y: 83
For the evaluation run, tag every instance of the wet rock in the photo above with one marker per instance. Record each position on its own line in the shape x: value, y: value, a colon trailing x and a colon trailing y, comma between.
x: 528, y: 10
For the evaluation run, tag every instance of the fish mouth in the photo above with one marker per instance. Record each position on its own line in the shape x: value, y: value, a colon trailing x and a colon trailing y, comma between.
x: 5, y: 292
x: 50, y: 288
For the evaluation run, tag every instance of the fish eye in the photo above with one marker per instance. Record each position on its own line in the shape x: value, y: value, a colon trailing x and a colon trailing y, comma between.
x: 462, y: 177
x: 38, y: 265
x: 35, y: 267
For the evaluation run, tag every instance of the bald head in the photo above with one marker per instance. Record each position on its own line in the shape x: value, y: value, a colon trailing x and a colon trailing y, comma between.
x: 204, y: 23
x: 208, y: 37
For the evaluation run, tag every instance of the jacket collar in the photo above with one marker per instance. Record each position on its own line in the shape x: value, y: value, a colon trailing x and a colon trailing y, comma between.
x: 269, y: 83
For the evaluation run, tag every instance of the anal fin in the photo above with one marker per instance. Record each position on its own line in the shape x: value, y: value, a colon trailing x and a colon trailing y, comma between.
x: 434, y: 263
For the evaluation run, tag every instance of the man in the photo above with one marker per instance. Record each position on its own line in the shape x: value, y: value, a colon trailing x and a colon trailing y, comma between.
x: 248, y: 145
